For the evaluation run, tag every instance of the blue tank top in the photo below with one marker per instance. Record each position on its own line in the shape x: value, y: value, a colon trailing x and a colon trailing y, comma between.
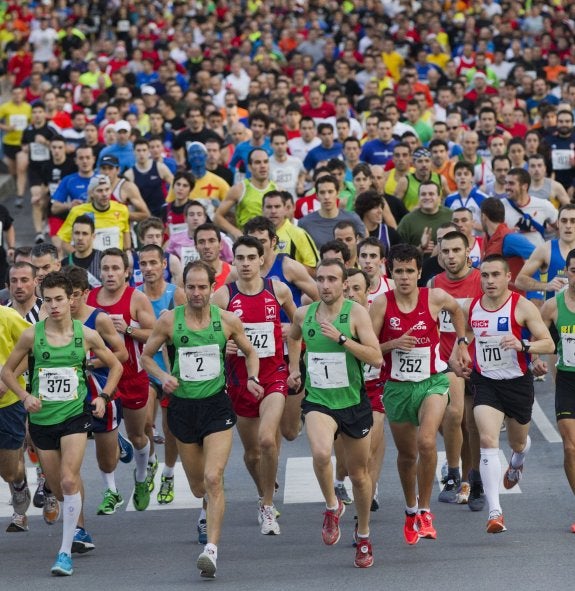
x: 163, y: 303
x: 556, y: 265
x: 276, y: 272
x: 151, y: 188
x: 137, y: 279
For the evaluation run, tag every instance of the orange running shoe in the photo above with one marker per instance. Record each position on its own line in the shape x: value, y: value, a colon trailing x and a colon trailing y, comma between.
x: 410, y: 529
x: 363, y: 554
x: 496, y: 523
x: 512, y: 476
x: 32, y: 455
x: 425, y: 525
x: 330, y: 531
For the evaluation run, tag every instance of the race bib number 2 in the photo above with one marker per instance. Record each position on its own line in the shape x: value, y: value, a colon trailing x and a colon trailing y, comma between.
x: 199, y: 364
x: 59, y: 384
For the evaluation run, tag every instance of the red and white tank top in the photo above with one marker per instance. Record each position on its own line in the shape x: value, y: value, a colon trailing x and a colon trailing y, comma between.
x: 260, y: 315
x: 489, y: 327
x: 423, y: 360
x: 462, y: 289
x: 383, y: 287
x: 132, y: 368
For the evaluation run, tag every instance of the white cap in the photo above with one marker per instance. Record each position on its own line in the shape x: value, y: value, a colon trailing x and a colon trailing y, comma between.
x: 122, y: 126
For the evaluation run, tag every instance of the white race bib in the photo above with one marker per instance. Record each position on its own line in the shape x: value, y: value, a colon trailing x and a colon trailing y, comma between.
x: 199, y: 364
x: 18, y: 122
x: 39, y: 152
x: 178, y: 228
x: 58, y: 384
x: 188, y: 254
x: 561, y: 159
x: 445, y: 324
x: 327, y: 370
x: 371, y: 373
x: 490, y: 355
x: 261, y: 336
x: 411, y: 366
x: 107, y: 238
x: 568, y: 347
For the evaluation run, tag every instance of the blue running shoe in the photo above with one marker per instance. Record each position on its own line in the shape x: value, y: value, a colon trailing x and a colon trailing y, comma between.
x: 82, y: 541
x: 202, y: 532
x: 63, y: 565
x: 126, y: 449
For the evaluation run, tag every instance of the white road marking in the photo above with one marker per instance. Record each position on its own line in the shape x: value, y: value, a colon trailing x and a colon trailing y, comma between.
x: 544, y: 424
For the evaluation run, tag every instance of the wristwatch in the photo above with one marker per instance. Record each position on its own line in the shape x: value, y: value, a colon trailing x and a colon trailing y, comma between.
x: 525, y: 346
x: 254, y: 379
x: 107, y: 398
x: 464, y: 340
x: 342, y: 339
x: 129, y: 329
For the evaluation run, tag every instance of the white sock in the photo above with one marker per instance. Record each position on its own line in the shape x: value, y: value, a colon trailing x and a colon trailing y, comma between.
x: 517, y: 458
x: 490, y: 468
x: 337, y: 482
x: 212, y: 549
x: 152, y: 458
x: 202, y: 515
x: 141, y: 458
x: 109, y: 479
x: 71, y: 507
x: 168, y: 472
x: 411, y: 510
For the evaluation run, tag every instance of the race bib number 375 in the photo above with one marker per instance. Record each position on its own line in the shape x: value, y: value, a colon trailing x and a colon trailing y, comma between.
x: 58, y: 384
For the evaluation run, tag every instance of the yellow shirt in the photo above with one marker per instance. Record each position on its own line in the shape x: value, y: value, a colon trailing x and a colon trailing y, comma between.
x: 111, y: 225
x: 12, y: 325
x: 297, y: 244
x: 18, y: 117
x: 210, y: 187
x: 440, y: 60
x: 394, y: 62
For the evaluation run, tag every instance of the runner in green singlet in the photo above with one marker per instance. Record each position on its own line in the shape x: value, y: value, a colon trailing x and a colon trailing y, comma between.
x: 200, y: 413
x: 59, y: 415
x: 339, y: 338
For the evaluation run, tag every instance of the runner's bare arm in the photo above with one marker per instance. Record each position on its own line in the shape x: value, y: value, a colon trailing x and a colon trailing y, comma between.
x: 9, y: 373
x: 141, y: 310
x: 527, y: 314
x: 106, y: 330
x: 161, y: 334
x: 294, y: 348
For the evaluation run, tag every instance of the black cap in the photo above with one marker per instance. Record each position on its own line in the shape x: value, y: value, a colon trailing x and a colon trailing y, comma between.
x: 110, y: 161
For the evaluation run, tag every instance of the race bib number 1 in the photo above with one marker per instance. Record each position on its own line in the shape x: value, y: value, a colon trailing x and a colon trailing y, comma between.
x: 59, y: 384
x: 199, y: 364
x: 568, y: 349
x: 327, y: 370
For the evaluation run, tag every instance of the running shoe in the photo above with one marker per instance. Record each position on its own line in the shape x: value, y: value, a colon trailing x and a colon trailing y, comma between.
x: 374, y: 504
x: 19, y: 523
x: 449, y: 492
x: 20, y: 498
x: 158, y: 439
x: 39, y: 238
x: 141, y: 497
x: 82, y: 541
x: 111, y: 501
x: 425, y: 527
x: 512, y: 476
x: 355, y: 534
x: 363, y: 554
x: 207, y: 564
x: 39, y: 495
x: 51, y: 509
x: 496, y: 524
x: 573, y: 528
x: 330, y: 532
x: 476, y: 500
x: 261, y: 508
x: 269, y: 527
x: 341, y: 494
x: 444, y: 470
x: 63, y: 565
x: 166, y: 492
x: 202, y: 531
x: 126, y: 449
x: 19, y: 202
x: 410, y: 529
x: 151, y: 474
x: 463, y: 493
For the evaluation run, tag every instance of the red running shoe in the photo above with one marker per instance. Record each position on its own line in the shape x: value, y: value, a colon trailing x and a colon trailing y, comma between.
x: 363, y: 554
x: 410, y: 529
x: 425, y: 526
x: 330, y: 532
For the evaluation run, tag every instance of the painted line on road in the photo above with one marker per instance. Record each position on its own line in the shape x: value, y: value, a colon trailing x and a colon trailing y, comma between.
x: 301, y: 485
x: 504, y: 463
x: 544, y: 425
